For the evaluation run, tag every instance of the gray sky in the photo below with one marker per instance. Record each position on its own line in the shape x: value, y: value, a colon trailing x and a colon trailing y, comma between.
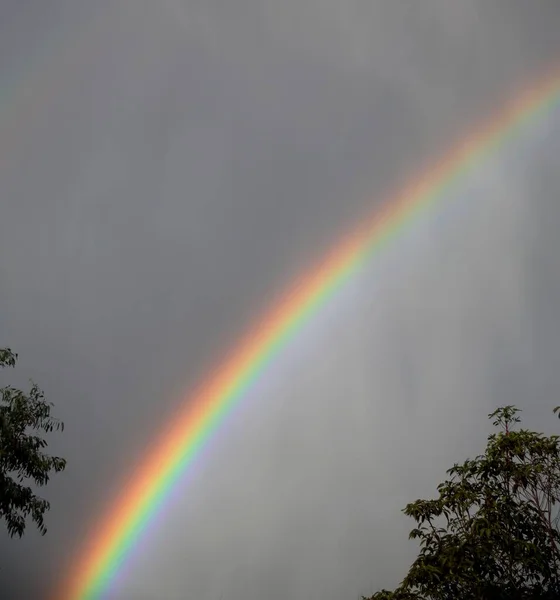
x: 166, y: 168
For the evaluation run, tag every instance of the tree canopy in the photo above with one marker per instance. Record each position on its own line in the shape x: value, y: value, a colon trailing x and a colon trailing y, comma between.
x: 22, y: 457
x: 492, y: 533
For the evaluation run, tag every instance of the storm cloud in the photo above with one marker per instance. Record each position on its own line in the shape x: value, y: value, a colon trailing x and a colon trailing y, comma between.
x: 167, y: 169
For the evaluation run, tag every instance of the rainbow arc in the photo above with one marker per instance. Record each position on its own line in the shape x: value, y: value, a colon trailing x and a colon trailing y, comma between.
x: 205, y: 410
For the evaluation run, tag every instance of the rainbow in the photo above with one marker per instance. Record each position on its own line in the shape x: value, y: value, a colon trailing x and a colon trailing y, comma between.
x: 205, y: 410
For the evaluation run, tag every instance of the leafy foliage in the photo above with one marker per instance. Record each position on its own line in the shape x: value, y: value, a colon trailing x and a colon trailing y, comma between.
x: 21, y: 453
x: 493, y: 531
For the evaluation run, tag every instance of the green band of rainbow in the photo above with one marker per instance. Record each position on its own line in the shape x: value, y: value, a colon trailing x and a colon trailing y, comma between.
x: 203, y: 411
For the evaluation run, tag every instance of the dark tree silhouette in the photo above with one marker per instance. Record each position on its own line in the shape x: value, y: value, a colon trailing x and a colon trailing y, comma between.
x: 22, y: 459
x: 493, y: 531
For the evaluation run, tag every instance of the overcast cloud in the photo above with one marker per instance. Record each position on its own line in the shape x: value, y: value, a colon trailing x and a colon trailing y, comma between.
x: 167, y: 168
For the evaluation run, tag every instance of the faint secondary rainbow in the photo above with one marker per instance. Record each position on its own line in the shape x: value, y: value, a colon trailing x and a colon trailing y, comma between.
x: 115, y: 536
